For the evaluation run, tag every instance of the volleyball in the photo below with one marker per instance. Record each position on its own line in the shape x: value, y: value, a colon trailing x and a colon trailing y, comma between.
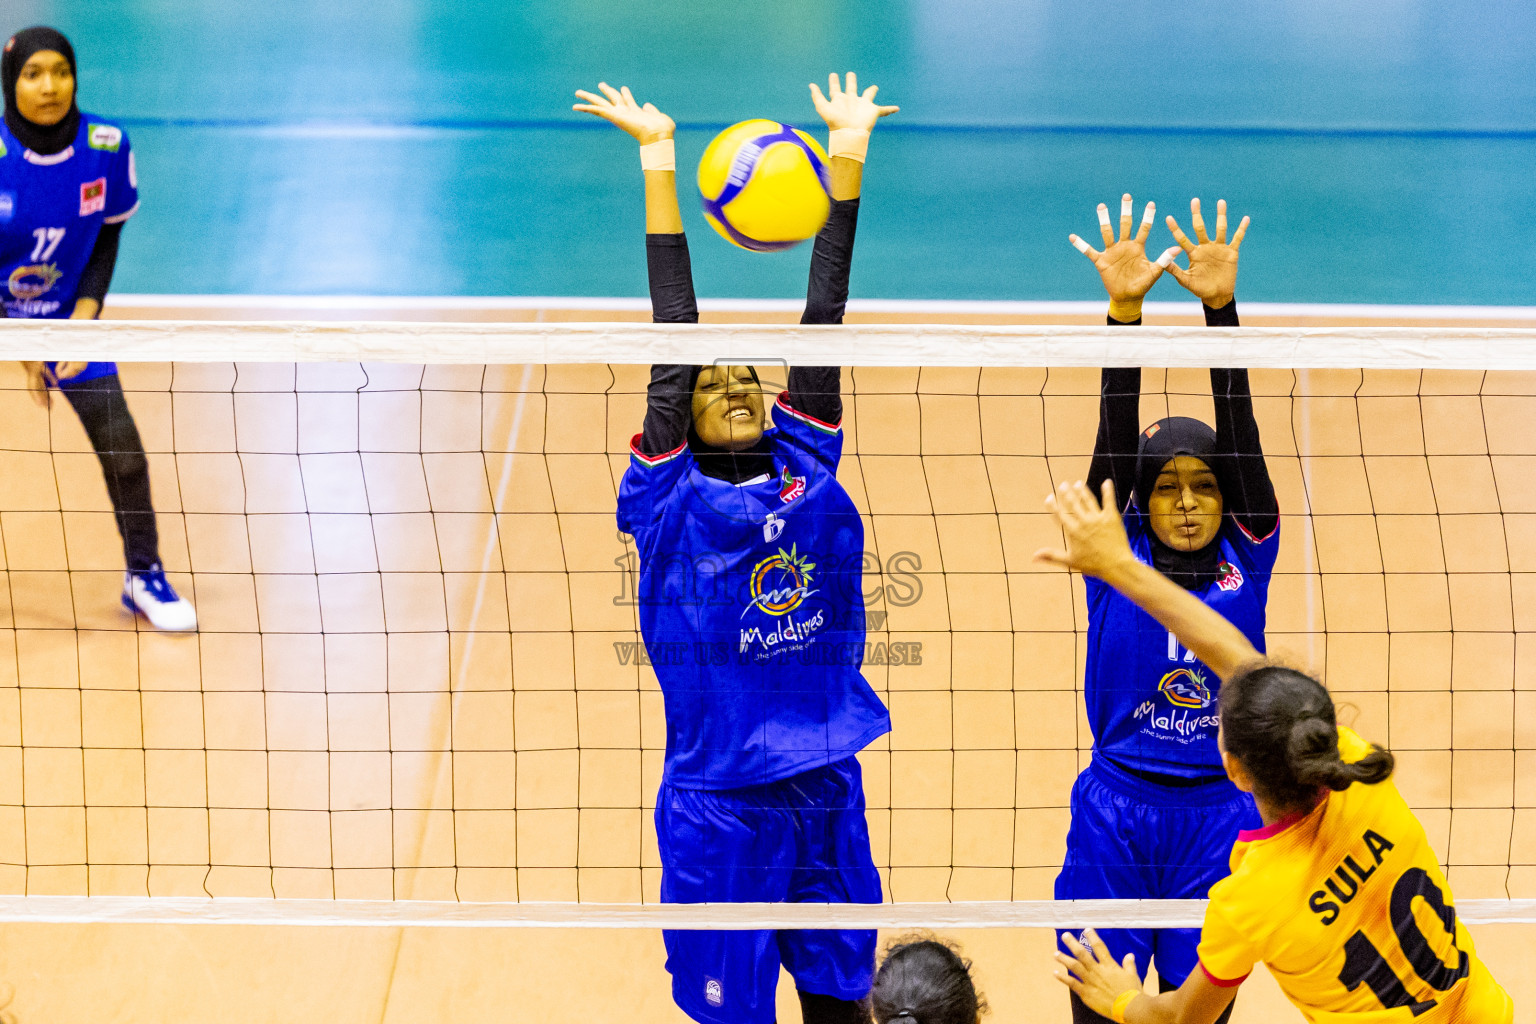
x: 765, y: 185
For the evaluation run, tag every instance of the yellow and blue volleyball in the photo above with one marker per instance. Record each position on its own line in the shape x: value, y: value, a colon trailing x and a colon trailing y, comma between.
x: 765, y: 185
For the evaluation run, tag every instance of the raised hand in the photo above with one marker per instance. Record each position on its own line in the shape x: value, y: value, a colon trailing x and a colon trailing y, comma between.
x: 1212, y: 273
x: 845, y: 107
x: 1094, y: 532
x: 1093, y: 974
x: 645, y: 123
x: 1123, y: 265
x: 38, y: 380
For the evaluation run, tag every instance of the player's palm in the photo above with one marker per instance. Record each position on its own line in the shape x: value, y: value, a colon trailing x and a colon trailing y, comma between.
x: 1126, y: 272
x: 1123, y: 265
x: 846, y: 107
x: 1212, y: 273
x: 618, y: 106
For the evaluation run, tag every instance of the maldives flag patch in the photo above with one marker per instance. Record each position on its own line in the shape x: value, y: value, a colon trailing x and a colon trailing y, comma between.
x: 790, y: 487
x: 93, y: 197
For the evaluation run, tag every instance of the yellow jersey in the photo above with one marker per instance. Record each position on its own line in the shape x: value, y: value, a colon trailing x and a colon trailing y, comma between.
x: 1347, y: 907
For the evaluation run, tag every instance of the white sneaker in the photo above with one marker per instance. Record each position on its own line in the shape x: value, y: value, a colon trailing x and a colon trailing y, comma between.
x: 150, y: 594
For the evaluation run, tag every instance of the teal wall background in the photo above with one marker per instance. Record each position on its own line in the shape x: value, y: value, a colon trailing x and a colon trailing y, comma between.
x: 1386, y: 149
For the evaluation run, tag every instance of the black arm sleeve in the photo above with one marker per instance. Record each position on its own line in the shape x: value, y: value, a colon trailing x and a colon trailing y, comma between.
x: 1252, y: 501
x: 671, y: 278
x: 96, y: 278
x: 669, y: 398
x: 1114, y: 449
x: 818, y: 390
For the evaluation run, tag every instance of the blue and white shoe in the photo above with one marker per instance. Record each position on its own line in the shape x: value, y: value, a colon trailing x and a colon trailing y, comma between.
x: 150, y: 594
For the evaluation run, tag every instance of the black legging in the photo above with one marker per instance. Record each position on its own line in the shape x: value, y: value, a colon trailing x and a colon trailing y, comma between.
x: 1082, y: 1015
x: 108, y: 423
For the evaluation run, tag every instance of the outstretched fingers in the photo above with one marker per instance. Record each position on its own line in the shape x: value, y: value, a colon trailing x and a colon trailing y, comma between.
x: 1221, y: 222
x: 1237, y: 236
x: 1198, y: 222
x: 1146, y: 223
x: 1082, y: 246
x: 1179, y: 235
x: 1104, y: 229
x: 1125, y: 216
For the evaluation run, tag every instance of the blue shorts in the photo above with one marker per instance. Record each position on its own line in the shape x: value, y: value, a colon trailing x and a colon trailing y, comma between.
x: 92, y: 371
x: 1133, y: 839
x: 799, y: 840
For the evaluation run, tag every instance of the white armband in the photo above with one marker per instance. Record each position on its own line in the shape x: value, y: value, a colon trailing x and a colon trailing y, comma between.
x: 852, y: 143
x: 660, y: 155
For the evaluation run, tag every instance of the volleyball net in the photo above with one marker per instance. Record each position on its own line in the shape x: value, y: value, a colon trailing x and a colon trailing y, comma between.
x: 418, y: 693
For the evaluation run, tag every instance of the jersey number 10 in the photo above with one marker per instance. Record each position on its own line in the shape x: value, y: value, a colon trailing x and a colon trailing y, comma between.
x: 1363, y: 962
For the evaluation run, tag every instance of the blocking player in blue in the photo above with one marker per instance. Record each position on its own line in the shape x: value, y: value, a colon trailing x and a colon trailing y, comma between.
x: 1154, y: 815
x: 67, y: 186
x: 752, y: 612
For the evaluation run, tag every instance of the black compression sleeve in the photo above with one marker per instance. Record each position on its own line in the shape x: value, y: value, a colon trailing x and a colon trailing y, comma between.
x: 1253, y: 503
x: 1114, y: 449
x: 1226, y: 316
x: 668, y: 408
x: 669, y: 397
x: 826, y: 296
x: 671, y: 277
x: 818, y: 390
x: 96, y: 278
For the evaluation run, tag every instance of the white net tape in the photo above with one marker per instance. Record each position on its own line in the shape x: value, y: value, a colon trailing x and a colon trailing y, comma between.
x: 1411, y: 348
x: 719, y: 916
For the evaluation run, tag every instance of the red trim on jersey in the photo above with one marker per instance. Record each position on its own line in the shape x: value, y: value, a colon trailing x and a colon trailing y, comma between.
x: 1251, y: 538
x: 1249, y: 835
x: 1222, y: 982
x: 830, y: 428
x: 652, y: 461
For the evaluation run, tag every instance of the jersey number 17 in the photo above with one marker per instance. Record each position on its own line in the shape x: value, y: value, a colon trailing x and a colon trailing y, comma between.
x: 48, y: 239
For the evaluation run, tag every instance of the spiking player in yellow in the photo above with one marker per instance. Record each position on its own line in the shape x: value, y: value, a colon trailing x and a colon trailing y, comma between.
x: 1339, y: 894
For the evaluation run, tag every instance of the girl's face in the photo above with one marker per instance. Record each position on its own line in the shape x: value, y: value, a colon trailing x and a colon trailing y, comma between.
x: 1185, y: 505
x: 45, y: 88
x: 728, y: 407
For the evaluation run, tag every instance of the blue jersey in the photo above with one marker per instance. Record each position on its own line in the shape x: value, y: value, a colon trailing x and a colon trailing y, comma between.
x: 752, y: 610
x: 1151, y: 704
x: 51, y: 211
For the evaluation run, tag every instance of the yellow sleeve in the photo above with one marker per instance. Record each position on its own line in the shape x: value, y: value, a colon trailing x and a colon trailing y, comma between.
x: 1225, y: 954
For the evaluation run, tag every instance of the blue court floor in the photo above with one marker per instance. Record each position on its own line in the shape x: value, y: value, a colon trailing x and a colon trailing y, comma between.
x: 426, y: 147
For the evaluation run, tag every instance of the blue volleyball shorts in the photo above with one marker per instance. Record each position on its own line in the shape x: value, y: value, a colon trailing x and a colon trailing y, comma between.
x: 1133, y: 839
x: 799, y: 840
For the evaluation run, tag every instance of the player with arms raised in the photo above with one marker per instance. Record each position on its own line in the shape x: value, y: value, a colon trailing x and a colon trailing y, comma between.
x: 751, y: 608
x: 1339, y: 892
x: 1153, y: 815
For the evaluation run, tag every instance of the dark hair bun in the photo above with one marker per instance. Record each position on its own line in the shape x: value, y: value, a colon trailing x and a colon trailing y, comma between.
x: 1281, y: 725
x: 925, y: 981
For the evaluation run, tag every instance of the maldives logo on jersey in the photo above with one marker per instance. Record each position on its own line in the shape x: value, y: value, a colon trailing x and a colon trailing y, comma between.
x: 30, y: 281
x: 790, y: 487
x: 1229, y: 577
x: 1185, y: 688
x: 780, y: 583
x: 104, y: 137
x: 93, y: 196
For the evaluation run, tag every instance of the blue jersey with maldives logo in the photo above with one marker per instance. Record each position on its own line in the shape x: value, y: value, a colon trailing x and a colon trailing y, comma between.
x: 51, y: 211
x: 1151, y: 704
x: 752, y: 610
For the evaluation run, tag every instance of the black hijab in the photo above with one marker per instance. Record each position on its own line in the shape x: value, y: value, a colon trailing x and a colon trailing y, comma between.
x: 1163, y: 440
x: 722, y: 463
x: 44, y: 140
